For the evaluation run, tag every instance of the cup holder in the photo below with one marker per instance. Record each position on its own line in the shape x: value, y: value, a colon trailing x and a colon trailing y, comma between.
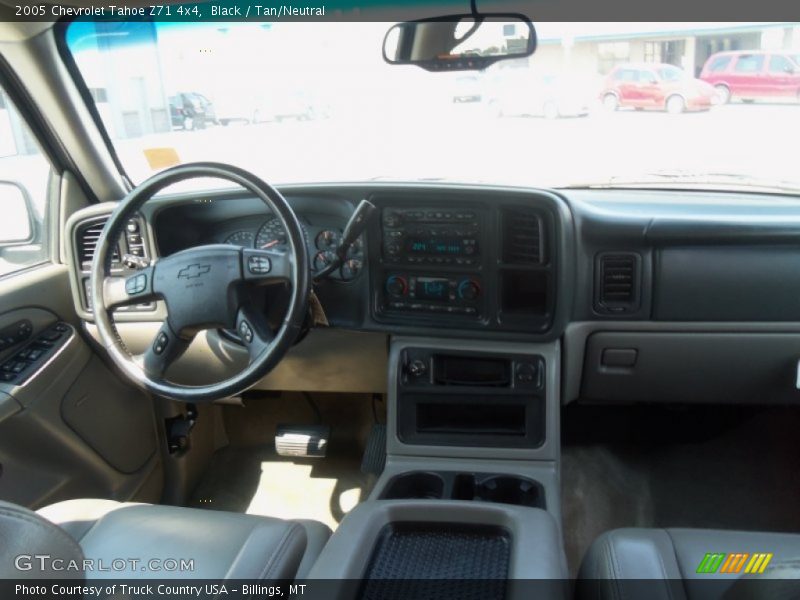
x: 418, y: 485
x: 481, y: 487
x: 509, y: 490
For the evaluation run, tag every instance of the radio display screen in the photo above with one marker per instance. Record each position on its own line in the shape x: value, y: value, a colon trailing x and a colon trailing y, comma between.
x: 430, y: 288
x: 443, y: 246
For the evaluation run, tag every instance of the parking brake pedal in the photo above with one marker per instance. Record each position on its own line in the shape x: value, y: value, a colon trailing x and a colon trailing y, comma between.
x: 303, y: 441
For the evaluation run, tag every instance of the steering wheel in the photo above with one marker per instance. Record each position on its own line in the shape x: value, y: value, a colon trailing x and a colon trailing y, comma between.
x: 203, y: 287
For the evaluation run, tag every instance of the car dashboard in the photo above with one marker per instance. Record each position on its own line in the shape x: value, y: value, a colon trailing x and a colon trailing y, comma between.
x: 625, y: 283
x: 469, y: 261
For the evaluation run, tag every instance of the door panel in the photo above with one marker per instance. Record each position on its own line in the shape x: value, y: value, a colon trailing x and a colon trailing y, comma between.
x: 71, y: 427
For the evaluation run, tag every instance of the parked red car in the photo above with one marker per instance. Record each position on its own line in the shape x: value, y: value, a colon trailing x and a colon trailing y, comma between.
x: 751, y: 75
x: 655, y: 86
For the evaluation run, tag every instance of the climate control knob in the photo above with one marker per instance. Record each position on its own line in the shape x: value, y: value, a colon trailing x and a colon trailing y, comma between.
x: 468, y: 289
x: 396, y: 285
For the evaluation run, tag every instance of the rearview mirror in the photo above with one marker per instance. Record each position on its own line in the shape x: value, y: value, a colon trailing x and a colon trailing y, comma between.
x: 459, y: 42
x: 17, y: 224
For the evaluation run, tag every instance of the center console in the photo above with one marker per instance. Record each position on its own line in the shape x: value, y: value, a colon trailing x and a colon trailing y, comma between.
x: 473, y: 399
x: 490, y: 264
x: 468, y: 502
x: 470, y: 398
x: 429, y: 549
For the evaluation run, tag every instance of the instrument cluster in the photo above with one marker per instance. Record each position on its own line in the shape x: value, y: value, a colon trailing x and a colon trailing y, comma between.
x: 322, y: 241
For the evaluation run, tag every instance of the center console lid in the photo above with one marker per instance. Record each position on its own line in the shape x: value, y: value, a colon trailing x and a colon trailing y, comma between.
x: 424, y: 539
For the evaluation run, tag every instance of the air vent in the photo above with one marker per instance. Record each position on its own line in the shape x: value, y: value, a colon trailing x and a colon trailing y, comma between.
x: 88, y: 236
x: 523, y: 242
x: 618, y: 283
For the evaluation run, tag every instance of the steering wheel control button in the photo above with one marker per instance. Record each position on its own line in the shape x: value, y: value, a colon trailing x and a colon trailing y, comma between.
x: 246, y: 332
x: 162, y: 339
x: 259, y: 265
x: 136, y: 284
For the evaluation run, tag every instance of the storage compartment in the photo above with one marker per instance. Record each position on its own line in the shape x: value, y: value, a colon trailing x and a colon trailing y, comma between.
x: 504, y: 420
x: 443, y: 549
x: 524, y: 292
x: 499, y: 419
x: 415, y: 485
x: 480, y: 487
x: 469, y: 557
x: 702, y: 368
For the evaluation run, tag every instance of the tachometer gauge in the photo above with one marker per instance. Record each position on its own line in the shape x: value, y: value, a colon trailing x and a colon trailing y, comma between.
x: 241, y: 238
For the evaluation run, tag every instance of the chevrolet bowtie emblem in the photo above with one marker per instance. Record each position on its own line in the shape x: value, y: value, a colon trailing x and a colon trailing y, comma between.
x: 193, y: 271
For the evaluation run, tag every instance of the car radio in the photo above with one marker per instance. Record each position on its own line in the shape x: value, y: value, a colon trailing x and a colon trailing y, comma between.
x: 431, y: 236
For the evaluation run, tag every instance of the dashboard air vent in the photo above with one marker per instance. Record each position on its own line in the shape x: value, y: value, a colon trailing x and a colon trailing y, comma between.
x: 523, y: 242
x: 88, y: 235
x: 618, y: 283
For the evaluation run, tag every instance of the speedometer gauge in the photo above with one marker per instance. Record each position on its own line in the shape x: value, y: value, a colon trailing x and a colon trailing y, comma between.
x: 272, y: 234
x: 241, y: 238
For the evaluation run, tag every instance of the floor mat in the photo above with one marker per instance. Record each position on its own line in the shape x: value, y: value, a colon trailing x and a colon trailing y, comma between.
x: 735, y: 470
x: 258, y: 482
x: 248, y: 476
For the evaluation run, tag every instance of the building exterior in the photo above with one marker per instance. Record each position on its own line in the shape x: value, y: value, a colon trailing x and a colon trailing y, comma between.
x: 592, y: 49
x: 133, y: 102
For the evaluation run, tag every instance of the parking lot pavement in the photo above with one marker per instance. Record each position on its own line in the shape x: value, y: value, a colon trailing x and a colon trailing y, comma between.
x: 466, y: 143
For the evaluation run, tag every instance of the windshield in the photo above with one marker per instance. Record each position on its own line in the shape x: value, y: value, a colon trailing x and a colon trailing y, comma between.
x: 315, y: 102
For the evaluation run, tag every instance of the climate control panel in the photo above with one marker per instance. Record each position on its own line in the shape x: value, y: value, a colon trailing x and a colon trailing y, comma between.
x: 434, y: 294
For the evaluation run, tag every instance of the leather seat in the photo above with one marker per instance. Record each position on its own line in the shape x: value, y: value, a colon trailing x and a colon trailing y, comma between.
x: 666, y: 563
x: 221, y: 545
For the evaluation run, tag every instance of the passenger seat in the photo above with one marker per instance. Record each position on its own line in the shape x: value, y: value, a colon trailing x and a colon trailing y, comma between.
x: 212, y: 544
x: 672, y: 564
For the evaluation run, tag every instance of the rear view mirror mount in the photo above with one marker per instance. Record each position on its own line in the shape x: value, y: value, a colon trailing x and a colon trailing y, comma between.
x: 460, y: 42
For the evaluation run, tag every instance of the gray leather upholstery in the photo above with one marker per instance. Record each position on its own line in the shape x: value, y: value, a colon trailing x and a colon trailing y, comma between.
x: 24, y: 535
x: 220, y: 544
x: 662, y: 563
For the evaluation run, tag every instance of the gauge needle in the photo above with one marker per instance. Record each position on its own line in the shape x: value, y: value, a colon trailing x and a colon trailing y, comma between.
x: 270, y: 244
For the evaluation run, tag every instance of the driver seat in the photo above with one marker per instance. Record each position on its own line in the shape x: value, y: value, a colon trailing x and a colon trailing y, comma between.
x: 222, y: 545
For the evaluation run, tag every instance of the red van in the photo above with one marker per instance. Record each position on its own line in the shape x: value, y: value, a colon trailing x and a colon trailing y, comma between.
x: 750, y: 75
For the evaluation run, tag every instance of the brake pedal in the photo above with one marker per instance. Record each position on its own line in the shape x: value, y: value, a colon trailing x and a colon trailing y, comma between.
x: 304, y: 441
